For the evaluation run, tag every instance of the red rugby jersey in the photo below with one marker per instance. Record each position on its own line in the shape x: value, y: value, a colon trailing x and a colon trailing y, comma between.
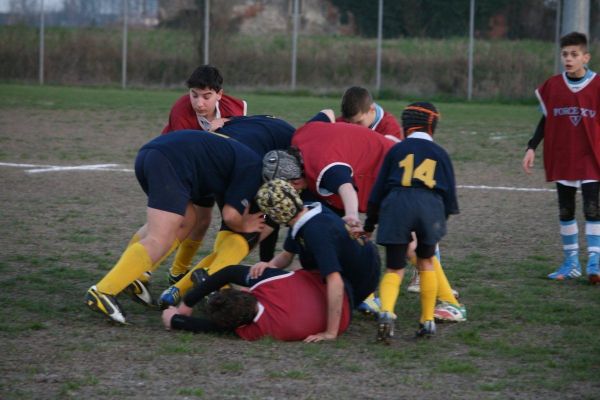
x: 387, y: 126
x: 572, y: 129
x: 183, y: 116
x: 324, y: 145
x: 292, y: 307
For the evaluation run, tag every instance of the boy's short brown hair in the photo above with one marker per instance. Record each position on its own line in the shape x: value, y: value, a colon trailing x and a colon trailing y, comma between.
x: 356, y: 100
x: 574, y: 39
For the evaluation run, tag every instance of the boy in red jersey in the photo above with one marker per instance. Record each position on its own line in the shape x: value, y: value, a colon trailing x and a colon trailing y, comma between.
x: 359, y: 108
x: 570, y: 126
x: 205, y: 107
x: 280, y: 304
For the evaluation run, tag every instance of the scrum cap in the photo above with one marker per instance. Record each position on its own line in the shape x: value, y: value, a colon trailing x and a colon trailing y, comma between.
x: 279, y: 200
x: 420, y: 116
x: 280, y: 164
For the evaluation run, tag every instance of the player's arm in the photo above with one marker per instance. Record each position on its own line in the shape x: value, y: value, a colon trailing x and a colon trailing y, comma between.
x: 335, y: 301
x: 350, y: 199
x: 533, y: 143
x: 338, y: 179
x: 281, y: 260
x: 245, y: 222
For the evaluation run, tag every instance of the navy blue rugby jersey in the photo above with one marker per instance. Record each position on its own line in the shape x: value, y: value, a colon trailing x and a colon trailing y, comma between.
x: 322, y: 242
x: 262, y: 133
x: 212, y: 165
x: 417, y: 162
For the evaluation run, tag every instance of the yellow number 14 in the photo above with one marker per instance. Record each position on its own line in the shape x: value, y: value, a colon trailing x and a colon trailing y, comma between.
x: 425, y: 172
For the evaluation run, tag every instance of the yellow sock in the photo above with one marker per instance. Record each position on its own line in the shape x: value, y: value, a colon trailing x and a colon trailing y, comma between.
x: 429, y: 288
x: 134, y: 239
x: 185, y: 253
x: 145, y: 277
x: 444, y: 289
x: 231, y: 250
x: 134, y: 262
x: 389, y: 289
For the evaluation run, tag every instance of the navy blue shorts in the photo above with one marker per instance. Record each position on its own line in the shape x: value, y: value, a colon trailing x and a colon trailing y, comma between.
x: 161, y: 184
x: 409, y: 210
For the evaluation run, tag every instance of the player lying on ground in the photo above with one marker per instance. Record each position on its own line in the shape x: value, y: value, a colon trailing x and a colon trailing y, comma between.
x: 282, y: 305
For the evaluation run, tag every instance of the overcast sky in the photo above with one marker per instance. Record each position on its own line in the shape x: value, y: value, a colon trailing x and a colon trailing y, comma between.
x: 48, y: 4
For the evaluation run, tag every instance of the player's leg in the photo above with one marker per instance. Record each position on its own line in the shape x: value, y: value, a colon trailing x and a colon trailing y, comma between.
x: 591, y: 210
x: 449, y: 309
x: 389, y: 290
x: 570, y: 268
x: 138, y: 258
x: 190, y: 245
x: 429, y: 288
x: 230, y: 249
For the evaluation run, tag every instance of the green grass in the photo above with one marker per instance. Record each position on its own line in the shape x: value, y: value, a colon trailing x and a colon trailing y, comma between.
x: 526, y: 337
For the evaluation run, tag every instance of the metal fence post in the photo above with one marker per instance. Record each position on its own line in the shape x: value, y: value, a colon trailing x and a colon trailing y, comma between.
x: 295, y: 18
x: 124, y: 55
x: 379, y: 40
x: 471, y: 40
x: 206, y: 29
x: 42, y: 29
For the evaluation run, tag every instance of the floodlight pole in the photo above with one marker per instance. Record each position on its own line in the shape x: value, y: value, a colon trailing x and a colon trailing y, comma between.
x: 295, y: 19
x: 576, y: 16
x: 379, y: 40
x: 206, y: 29
x: 124, y: 55
x: 471, y: 40
x: 42, y: 29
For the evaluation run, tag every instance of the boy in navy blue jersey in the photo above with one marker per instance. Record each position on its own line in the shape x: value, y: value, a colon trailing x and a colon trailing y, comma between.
x: 261, y: 133
x: 177, y: 171
x: 415, y: 192
x: 324, y: 243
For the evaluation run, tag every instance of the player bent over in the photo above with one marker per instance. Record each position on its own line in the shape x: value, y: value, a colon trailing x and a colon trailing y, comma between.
x: 177, y: 171
x: 415, y: 192
x: 323, y: 242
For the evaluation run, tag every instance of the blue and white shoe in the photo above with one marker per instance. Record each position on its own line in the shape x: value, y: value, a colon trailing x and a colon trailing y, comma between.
x: 371, y: 306
x: 568, y: 270
x: 170, y: 297
x: 426, y: 329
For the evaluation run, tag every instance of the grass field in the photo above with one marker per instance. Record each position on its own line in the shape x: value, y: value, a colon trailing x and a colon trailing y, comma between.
x: 60, y: 231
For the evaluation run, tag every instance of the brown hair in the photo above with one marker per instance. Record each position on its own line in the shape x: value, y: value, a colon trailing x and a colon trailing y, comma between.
x: 574, y: 39
x: 231, y: 308
x: 355, y: 100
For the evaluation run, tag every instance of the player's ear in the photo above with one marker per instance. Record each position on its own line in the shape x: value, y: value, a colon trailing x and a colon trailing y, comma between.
x: 219, y: 94
x: 586, y: 58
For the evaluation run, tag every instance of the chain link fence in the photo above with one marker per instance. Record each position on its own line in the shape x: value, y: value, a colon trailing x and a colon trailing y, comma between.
x: 485, y: 49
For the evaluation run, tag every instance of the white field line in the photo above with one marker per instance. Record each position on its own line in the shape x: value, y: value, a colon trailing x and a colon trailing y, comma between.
x: 55, y: 168
x: 36, y: 168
